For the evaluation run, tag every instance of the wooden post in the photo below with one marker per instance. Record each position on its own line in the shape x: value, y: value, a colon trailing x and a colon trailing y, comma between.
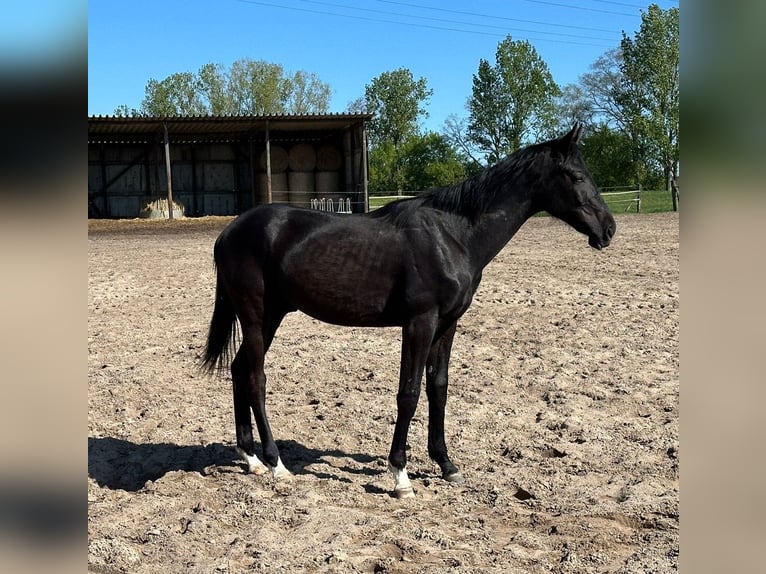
x: 364, y: 170
x: 252, y: 174
x: 168, y: 172
x: 638, y: 203
x: 102, y: 157
x: 268, y: 164
x: 674, y: 192
x: 195, y: 200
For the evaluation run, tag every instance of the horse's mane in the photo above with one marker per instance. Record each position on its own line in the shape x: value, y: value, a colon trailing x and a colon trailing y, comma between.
x: 469, y: 198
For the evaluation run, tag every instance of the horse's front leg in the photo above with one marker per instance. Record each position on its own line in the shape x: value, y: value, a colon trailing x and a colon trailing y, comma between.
x: 417, y: 336
x: 437, y: 368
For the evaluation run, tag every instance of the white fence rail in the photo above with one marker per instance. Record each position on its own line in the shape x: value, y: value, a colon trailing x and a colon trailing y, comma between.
x: 629, y: 195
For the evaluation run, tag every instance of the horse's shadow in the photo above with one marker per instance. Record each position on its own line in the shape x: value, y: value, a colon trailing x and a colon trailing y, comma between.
x: 125, y: 465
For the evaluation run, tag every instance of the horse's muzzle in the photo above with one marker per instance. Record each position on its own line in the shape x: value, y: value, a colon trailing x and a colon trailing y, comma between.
x: 599, y: 242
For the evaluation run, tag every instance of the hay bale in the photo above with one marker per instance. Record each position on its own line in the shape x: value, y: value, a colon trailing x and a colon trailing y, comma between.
x: 329, y: 158
x: 303, y: 157
x: 279, y: 159
x: 301, y: 185
x: 279, y: 187
x: 327, y: 182
x: 158, y: 209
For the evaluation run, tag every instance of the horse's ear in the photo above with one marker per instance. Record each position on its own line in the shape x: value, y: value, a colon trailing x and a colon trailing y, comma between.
x: 574, y: 134
x: 578, y: 133
x: 571, y: 137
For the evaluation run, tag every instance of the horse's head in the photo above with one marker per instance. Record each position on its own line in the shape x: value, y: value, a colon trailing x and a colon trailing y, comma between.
x: 570, y: 194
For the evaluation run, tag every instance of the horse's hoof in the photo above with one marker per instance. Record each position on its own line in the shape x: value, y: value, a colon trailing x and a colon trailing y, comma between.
x: 254, y: 464
x: 280, y: 472
x: 455, y: 477
x: 258, y: 469
x: 404, y: 492
x: 283, y: 474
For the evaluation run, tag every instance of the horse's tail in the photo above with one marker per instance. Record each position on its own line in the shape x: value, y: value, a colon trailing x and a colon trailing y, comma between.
x: 222, y: 329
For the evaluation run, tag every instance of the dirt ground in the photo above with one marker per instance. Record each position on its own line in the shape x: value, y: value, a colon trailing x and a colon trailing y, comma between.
x: 562, y: 416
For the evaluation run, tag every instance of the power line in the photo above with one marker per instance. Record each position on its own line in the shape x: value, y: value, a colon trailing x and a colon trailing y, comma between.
x: 410, y: 24
x: 495, y: 17
x: 571, y: 7
x: 446, y: 21
x: 640, y: 5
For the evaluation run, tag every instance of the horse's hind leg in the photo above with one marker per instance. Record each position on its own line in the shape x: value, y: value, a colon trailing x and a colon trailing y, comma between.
x: 241, y: 383
x: 258, y: 331
x: 437, y: 368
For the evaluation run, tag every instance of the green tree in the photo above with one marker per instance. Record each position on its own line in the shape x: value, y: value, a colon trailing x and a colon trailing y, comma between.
x: 246, y: 87
x: 126, y: 111
x: 513, y: 102
x: 384, y: 170
x: 309, y: 94
x: 430, y: 161
x: 650, y: 69
x: 178, y: 94
x: 397, y: 102
x: 214, y: 83
x: 632, y: 91
x: 607, y: 153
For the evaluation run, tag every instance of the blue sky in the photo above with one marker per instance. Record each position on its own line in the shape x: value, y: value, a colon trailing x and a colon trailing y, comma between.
x: 345, y: 43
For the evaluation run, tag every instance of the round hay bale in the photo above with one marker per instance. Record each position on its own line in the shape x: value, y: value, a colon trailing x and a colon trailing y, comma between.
x: 303, y: 157
x: 279, y: 189
x: 329, y: 158
x: 279, y: 159
x: 327, y: 182
x: 301, y: 185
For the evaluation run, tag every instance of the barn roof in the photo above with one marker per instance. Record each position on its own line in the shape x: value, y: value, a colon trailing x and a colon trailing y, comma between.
x: 210, y: 128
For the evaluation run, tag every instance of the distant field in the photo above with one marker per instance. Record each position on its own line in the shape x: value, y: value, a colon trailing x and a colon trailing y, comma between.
x: 651, y: 202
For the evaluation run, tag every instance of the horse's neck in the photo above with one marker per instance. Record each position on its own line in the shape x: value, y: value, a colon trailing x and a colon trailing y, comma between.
x: 496, y: 226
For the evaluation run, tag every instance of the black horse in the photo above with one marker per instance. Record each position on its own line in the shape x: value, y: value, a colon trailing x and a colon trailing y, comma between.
x: 414, y: 263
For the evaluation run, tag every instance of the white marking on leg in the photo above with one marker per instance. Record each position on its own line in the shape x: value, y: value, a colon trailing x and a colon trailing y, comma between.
x: 280, y: 471
x: 402, y: 484
x: 254, y: 464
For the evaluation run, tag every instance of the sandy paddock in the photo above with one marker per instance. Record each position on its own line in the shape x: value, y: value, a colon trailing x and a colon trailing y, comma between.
x: 563, y: 417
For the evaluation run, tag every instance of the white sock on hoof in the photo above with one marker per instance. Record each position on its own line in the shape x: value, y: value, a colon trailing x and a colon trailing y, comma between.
x: 254, y: 464
x: 402, y: 484
x: 280, y: 471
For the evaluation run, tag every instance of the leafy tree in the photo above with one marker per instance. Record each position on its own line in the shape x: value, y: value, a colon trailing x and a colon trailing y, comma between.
x: 397, y: 102
x: 632, y: 91
x: 607, y: 153
x: 214, y: 84
x: 384, y: 171
x: 126, y: 111
x: 430, y: 161
x: 650, y: 67
x: 424, y: 161
x: 258, y: 87
x: 246, y: 87
x: 309, y: 94
x: 176, y: 94
x: 512, y: 102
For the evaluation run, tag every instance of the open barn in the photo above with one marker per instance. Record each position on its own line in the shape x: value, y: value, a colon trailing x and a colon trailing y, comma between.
x: 223, y: 165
